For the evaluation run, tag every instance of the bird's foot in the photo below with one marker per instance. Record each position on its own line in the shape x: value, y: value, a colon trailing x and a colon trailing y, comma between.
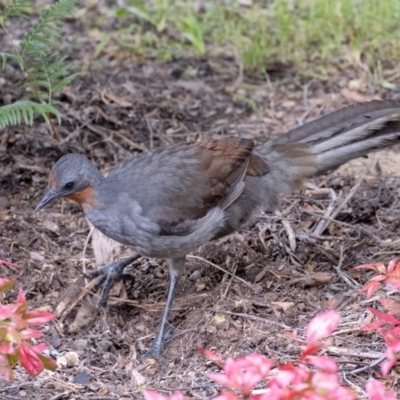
x: 155, y: 353
x: 157, y: 346
x: 108, y: 275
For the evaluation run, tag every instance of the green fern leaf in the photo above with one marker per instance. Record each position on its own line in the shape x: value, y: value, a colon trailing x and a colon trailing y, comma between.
x: 24, y: 110
x: 18, y: 8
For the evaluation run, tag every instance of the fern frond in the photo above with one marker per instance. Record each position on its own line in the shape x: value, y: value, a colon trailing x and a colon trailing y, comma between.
x: 45, y: 71
x: 24, y: 110
x: 44, y: 66
x: 46, y: 31
x: 4, y: 57
x: 18, y: 8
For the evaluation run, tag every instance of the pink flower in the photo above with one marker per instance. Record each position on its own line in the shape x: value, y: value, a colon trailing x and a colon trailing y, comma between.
x: 376, y: 391
x: 322, y: 326
x: 391, y: 357
x: 152, y: 395
x: 323, y: 363
x: 243, y: 373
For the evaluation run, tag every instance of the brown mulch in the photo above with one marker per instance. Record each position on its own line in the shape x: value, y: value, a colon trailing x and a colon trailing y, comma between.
x: 292, y: 264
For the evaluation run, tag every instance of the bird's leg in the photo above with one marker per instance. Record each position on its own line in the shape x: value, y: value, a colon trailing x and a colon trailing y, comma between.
x: 176, y: 267
x: 110, y: 274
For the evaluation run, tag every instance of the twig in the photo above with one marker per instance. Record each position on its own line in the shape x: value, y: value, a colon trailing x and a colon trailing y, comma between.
x: 355, y: 387
x: 344, y: 277
x: 134, y: 145
x: 16, y: 386
x: 239, y: 78
x: 75, y: 131
x: 81, y: 295
x: 370, y: 300
x: 255, y: 318
x: 350, y: 353
x: 300, y: 120
x: 289, y: 230
x: 33, y: 168
x: 62, y: 395
x: 323, y: 223
x: 222, y: 269
x: 151, y: 133
x: 230, y: 281
x: 352, y: 192
x: 339, y: 208
x: 369, y: 366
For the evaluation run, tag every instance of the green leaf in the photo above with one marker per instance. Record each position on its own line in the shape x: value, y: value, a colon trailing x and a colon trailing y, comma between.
x: 139, y: 9
x: 18, y: 8
x: 58, y: 86
x: 24, y: 110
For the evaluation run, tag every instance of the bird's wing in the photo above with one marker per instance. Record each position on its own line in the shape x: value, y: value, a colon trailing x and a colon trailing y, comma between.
x: 177, y: 185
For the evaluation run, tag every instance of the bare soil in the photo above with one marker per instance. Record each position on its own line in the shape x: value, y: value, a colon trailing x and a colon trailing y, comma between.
x: 118, y: 108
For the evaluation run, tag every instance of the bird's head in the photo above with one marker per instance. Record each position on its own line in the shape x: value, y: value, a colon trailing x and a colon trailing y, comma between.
x: 72, y: 176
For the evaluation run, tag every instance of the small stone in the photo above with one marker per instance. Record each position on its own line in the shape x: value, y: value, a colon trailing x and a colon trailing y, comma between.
x: 61, y: 362
x: 80, y: 344
x: 104, y: 345
x: 51, y: 226
x: 195, y: 275
x: 82, y: 378
x: 3, y: 203
x: 69, y: 359
x: 36, y: 256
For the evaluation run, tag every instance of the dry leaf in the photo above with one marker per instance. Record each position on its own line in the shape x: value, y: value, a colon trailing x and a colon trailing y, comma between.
x: 317, y: 278
x: 393, y: 306
x: 109, y: 98
x: 285, y: 305
x: 84, y: 317
x: 356, y: 97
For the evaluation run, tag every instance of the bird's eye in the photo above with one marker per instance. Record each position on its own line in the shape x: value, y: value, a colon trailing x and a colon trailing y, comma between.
x: 69, y: 186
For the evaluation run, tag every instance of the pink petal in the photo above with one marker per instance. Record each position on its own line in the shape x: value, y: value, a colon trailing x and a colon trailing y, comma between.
x: 262, y: 363
x: 209, y: 354
x: 152, y: 395
x: 38, y: 317
x: 226, y: 396
x: 9, y: 264
x: 393, y: 265
x: 30, y: 334
x: 376, y: 391
x: 6, y: 311
x: 6, y: 347
x: 21, y: 302
x: 322, y: 325
x: 5, y: 369
x: 326, y: 364
x: 30, y: 360
x: 389, y: 319
x: 223, y: 380
x: 378, y: 267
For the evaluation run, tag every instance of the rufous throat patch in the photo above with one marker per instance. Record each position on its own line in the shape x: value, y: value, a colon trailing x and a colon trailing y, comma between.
x: 85, y: 197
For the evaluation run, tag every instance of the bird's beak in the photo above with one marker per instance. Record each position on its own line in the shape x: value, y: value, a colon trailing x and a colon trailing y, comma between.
x: 48, y: 196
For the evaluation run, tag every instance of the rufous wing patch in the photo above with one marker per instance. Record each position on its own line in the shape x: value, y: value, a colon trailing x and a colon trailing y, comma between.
x: 258, y: 166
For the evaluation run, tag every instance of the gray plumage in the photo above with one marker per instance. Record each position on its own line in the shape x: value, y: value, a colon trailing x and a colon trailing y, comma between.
x: 168, y: 202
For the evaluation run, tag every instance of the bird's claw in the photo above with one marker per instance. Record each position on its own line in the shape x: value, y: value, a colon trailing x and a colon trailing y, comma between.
x: 108, y: 275
x: 154, y: 353
x: 157, y: 346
